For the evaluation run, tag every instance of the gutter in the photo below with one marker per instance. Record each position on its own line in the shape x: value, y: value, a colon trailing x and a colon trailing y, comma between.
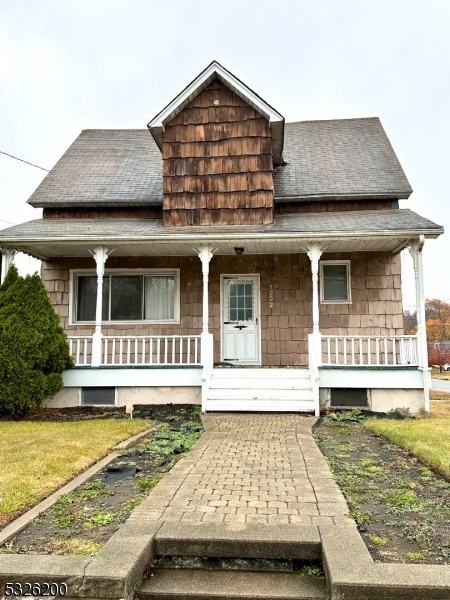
x: 245, y: 235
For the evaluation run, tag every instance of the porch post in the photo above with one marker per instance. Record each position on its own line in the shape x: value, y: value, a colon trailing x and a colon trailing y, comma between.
x: 415, y: 249
x: 7, y: 257
x: 100, y: 254
x: 314, y: 253
x: 205, y: 254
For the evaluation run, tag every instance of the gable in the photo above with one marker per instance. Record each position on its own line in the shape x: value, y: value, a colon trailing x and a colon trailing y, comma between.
x: 217, y: 162
x: 217, y: 71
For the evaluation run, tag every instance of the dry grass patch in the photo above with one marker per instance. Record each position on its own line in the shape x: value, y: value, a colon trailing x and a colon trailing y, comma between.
x: 427, y: 438
x: 39, y: 457
x: 437, y: 375
x: 438, y: 395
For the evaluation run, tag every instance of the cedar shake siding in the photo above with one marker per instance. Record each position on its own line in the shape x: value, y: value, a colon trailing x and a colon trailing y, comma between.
x: 376, y: 307
x: 217, y: 162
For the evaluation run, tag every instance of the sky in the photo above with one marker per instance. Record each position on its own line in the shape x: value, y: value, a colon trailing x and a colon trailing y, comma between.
x: 86, y: 64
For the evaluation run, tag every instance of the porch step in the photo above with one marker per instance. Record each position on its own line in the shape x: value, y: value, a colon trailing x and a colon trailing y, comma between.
x: 256, y: 373
x: 260, y: 390
x: 189, y: 584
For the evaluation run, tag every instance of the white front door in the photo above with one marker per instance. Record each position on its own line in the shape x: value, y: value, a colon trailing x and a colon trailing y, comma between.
x: 240, y: 319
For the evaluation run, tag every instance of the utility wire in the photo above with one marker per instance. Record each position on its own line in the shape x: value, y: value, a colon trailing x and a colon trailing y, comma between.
x: 24, y: 161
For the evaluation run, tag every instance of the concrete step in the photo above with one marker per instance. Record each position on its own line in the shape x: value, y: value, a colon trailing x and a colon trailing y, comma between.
x: 189, y: 584
x: 298, y: 542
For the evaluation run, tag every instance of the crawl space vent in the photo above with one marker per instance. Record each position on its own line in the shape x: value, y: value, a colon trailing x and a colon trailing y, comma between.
x: 98, y: 396
x: 355, y: 397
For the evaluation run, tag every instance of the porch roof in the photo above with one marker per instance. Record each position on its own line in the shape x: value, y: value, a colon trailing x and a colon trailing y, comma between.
x: 370, y: 230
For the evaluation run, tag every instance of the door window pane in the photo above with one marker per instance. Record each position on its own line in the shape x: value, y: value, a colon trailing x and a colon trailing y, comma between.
x: 126, y: 298
x: 240, y: 302
x: 87, y: 298
x: 334, y: 282
x: 159, y: 298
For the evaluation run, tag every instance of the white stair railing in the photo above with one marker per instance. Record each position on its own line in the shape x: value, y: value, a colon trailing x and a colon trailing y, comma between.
x: 208, y: 363
x: 314, y: 371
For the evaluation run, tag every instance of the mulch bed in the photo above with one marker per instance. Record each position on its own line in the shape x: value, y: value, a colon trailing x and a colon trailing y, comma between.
x: 402, y: 508
x: 82, y: 521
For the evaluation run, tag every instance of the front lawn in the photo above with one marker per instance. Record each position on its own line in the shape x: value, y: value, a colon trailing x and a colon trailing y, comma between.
x: 427, y: 438
x: 37, y: 458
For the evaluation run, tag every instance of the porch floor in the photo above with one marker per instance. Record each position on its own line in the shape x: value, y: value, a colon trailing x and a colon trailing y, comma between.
x: 249, y: 468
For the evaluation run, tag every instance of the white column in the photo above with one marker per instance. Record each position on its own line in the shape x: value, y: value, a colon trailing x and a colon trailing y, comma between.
x: 100, y: 254
x: 415, y: 249
x: 314, y: 253
x: 205, y: 254
x: 7, y: 257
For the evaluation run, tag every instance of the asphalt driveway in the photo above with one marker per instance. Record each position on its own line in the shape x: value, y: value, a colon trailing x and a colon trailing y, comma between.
x: 441, y: 384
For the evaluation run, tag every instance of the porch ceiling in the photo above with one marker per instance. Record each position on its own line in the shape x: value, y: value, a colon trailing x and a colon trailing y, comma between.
x: 363, y: 231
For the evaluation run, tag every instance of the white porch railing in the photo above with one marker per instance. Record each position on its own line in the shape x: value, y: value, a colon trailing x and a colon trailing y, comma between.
x: 370, y: 350
x: 81, y: 349
x: 118, y: 351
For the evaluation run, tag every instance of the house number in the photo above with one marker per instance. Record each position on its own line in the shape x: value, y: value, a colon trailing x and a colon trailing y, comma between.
x: 270, y: 296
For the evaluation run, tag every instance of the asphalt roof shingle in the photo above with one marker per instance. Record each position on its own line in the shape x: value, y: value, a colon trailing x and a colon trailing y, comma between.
x: 369, y: 221
x: 340, y: 159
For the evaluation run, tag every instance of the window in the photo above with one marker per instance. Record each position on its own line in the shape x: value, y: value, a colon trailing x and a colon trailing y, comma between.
x: 335, y: 281
x: 141, y: 296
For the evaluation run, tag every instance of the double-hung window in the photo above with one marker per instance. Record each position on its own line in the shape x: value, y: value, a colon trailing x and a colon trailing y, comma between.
x: 335, y: 282
x: 127, y: 297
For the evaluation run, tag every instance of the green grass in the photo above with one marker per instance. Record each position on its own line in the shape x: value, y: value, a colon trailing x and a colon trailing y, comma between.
x: 40, y: 457
x: 427, y: 438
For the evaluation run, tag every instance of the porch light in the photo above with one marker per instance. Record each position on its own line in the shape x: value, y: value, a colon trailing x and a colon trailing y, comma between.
x: 239, y: 251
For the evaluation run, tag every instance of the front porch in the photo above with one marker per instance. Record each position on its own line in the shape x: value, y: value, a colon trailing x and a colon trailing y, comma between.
x: 132, y: 363
x: 311, y: 294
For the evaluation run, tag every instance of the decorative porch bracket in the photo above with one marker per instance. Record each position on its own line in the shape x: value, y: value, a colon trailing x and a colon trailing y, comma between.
x: 7, y: 258
x: 100, y: 255
x: 205, y: 254
x: 415, y: 249
x: 314, y: 253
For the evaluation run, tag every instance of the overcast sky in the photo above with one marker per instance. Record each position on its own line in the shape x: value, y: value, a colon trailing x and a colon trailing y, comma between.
x: 82, y: 64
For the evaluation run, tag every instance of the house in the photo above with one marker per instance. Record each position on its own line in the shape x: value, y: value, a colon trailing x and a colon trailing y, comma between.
x: 227, y: 257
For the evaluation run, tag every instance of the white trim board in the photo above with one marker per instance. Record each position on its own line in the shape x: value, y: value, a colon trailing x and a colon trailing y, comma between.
x: 118, y: 377
x: 397, y: 378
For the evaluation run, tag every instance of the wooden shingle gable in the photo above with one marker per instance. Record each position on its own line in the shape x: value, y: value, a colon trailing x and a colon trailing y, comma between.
x: 217, y: 162
x: 216, y: 71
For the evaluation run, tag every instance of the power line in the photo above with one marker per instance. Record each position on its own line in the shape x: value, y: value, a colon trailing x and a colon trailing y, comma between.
x: 24, y: 161
x: 9, y: 222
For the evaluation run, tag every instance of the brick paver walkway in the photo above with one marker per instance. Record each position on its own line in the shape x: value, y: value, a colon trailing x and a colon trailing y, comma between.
x: 249, y: 468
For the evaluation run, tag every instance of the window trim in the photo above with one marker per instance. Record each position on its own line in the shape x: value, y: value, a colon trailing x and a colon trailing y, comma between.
x: 322, y: 287
x: 74, y: 273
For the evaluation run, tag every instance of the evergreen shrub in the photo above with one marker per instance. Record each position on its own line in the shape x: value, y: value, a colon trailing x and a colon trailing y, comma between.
x: 33, y: 346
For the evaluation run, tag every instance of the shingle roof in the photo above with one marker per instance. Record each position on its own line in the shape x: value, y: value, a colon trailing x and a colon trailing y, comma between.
x: 370, y: 222
x: 345, y: 158
x: 340, y: 159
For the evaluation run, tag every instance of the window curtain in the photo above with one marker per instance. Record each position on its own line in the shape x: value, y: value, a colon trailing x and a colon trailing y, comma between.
x: 87, y: 298
x: 159, y: 298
